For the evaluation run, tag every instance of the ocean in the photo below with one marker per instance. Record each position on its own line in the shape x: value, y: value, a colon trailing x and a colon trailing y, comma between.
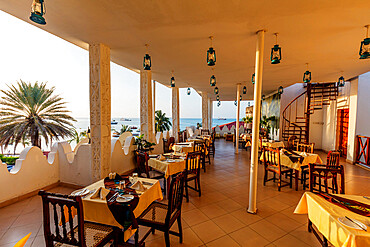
x: 83, y: 123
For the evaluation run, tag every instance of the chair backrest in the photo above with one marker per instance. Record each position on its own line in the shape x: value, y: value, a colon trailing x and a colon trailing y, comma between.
x: 181, y: 136
x: 171, y: 141
x: 176, y: 195
x: 200, y: 147
x: 307, y: 148
x: 332, y: 160
x: 193, y: 162
x: 271, y: 158
x: 56, y: 207
x: 142, y: 162
x: 204, y: 132
x: 291, y: 144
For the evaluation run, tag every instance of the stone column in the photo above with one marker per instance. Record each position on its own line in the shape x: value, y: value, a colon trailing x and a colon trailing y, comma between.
x: 210, y: 113
x: 146, y: 105
x: 205, y: 110
x: 100, y: 110
x: 175, y: 113
x: 256, y: 123
x: 153, y: 87
x: 237, y: 118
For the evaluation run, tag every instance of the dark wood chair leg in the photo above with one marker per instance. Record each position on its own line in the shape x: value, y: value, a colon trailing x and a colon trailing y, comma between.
x: 167, y: 238
x: 198, y: 179
x: 180, y: 227
x: 291, y: 179
x: 137, y: 238
x: 309, y: 226
x: 186, y: 191
x: 265, y: 178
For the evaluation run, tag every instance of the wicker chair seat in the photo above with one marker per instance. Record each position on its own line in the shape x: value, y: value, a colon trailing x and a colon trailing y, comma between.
x: 156, y: 213
x: 94, y: 234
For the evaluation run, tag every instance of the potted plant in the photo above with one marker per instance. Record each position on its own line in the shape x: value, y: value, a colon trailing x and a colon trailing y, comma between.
x: 142, y: 144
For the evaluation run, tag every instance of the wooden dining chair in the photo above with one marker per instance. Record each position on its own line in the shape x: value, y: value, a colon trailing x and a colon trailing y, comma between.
x: 292, y: 142
x: 192, y: 172
x: 204, y: 132
x: 307, y: 148
x: 160, y: 216
x: 145, y: 171
x: 271, y: 161
x: 62, y: 231
x: 328, y: 172
x: 201, y: 147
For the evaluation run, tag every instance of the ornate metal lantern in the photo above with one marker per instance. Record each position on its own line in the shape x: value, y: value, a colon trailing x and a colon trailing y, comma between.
x: 281, y: 90
x: 275, y: 52
x: 211, y: 54
x: 341, y: 81
x: 249, y: 103
x: 218, y: 104
x: 254, y: 78
x: 244, y: 90
x: 147, y: 64
x: 263, y: 97
x: 235, y: 103
x: 37, y: 12
x: 188, y: 91
x: 172, y: 80
x: 240, y: 98
x: 307, y: 76
x: 212, y: 81
x: 365, y: 46
x: 216, y: 90
x: 218, y: 97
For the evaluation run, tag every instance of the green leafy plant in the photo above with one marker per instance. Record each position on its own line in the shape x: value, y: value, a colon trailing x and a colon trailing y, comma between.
x: 199, y: 125
x: 266, y: 122
x: 142, y: 144
x: 8, y: 160
x: 247, y: 119
x: 77, y: 137
x: 32, y: 111
x: 162, y: 123
x: 125, y: 128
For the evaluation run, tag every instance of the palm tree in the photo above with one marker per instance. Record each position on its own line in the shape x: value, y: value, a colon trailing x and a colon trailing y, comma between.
x: 125, y: 128
x: 77, y: 137
x: 31, y: 111
x: 162, y: 123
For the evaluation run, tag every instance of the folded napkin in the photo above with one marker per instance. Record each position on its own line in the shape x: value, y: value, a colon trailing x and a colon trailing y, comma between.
x: 138, y: 186
x: 161, y: 157
x: 100, y: 193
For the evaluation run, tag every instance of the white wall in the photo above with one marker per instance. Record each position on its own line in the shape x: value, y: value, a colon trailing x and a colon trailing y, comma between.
x: 353, y: 115
x: 316, y: 128
x: 363, y: 105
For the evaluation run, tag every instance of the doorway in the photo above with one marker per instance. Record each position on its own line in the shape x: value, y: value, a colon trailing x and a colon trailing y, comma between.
x: 342, y: 131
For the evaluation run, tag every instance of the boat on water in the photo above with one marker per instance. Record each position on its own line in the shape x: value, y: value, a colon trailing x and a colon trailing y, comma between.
x: 221, y: 118
x: 116, y: 134
x: 113, y: 122
x: 125, y: 119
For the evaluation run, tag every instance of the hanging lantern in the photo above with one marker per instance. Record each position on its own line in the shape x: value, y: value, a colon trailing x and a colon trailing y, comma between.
x: 254, y: 78
x: 341, y: 81
x: 216, y: 90
x: 212, y: 81
x: 263, y: 97
x: 218, y: 104
x: 244, y: 90
x: 37, y: 12
x: 275, y: 52
x: 172, y: 80
x: 365, y: 46
x: 235, y: 103
x: 280, y: 90
x: 249, y: 103
x: 307, y: 76
x: 240, y: 98
x: 188, y: 91
x: 147, y: 64
x: 218, y: 97
x: 211, y: 54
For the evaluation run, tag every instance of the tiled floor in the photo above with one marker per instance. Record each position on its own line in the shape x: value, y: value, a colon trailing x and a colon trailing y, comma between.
x: 218, y: 217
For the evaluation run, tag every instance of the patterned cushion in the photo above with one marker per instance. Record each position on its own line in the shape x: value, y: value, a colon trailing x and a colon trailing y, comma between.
x: 94, y: 234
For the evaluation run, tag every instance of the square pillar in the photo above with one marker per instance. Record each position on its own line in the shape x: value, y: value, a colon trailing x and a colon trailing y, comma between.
x: 100, y: 110
x: 175, y: 113
x: 210, y: 113
x: 146, y: 106
x: 205, y: 111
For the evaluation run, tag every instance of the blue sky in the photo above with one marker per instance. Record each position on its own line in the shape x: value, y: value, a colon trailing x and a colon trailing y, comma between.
x: 31, y: 54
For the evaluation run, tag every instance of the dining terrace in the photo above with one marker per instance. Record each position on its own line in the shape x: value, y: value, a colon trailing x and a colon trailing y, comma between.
x: 218, y: 217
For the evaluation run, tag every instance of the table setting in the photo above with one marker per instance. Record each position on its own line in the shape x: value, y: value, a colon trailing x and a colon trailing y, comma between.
x: 344, y: 220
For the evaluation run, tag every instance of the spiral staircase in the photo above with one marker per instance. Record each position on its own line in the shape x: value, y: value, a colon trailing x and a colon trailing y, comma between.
x: 296, y: 115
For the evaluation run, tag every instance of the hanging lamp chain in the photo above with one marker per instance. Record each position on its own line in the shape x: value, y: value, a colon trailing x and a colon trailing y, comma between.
x: 147, y: 48
x: 367, y: 31
x: 211, y: 38
x: 276, y: 34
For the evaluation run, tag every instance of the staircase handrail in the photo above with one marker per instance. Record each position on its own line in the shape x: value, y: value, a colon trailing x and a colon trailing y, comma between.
x: 285, y: 109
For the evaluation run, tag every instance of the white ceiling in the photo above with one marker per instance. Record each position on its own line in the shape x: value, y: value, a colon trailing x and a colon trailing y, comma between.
x: 324, y: 33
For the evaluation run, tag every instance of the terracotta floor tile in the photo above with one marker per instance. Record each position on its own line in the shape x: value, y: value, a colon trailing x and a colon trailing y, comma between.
x: 247, y: 237
x: 213, y: 210
x: 268, y: 230
x: 245, y: 217
x: 193, y: 217
x: 228, y: 223
x: 302, y: 234
x: 289, y: 241
x: 208, y: 231
x: 190, y: 239
x: 223, y: 241
x: 14, y: 234
x: 283, y: 222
